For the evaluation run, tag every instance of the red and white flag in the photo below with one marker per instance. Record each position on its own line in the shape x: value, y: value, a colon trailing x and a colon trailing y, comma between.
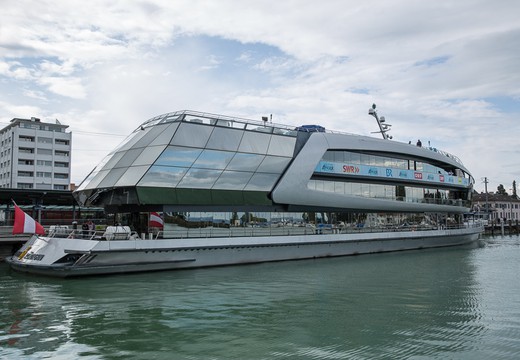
x: 24, y: 224
x: 156, y: 220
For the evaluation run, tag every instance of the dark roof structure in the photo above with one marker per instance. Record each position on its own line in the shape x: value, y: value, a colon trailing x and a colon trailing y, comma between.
x: 37, y: 197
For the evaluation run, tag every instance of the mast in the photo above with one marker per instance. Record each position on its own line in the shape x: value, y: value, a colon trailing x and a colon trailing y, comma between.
x: 383, y: 128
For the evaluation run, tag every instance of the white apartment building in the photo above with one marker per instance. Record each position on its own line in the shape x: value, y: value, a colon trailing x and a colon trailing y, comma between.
x: 502, y: 208
x: 35, y: 155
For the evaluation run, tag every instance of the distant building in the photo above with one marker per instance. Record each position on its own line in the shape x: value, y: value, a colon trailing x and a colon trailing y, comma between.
x: 35, y: 155
x: 501, y: 207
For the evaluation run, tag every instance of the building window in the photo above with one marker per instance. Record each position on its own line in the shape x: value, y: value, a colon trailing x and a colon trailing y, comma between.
x: 61, y: 153
x: 43, y: 163
x: 61, y: 164
x: 43, y: 174
x: 25, y: 162
x: 26, y: 138
x: 44, y: 151
x: 26, y: 173
x: 60, y: 187
x: 61, y: 142
x: 25, y: 186
x: 61, y: 176
x: 26, y: 150
x: 44, y: 140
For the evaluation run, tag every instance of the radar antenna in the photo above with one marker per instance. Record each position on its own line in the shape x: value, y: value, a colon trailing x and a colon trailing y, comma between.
x: 383, y: 127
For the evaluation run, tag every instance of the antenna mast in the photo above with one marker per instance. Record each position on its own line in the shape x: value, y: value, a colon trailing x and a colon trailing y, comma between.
x: 383, y: 128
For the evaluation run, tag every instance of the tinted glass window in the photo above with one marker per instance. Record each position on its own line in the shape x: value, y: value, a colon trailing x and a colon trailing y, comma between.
x: 245, y: 162
x: 273, y: 164
x: 149, y: 155
x: 128, y: 158
x: 213, y: 159
x: 87, y: 180
x: 193, y: 135
x: 261, y: 182
x: 111, y: 161
x: 254, y: 142
x: 132, y: 176
x: 166, y: 134
x: 281, y: 145
x: 199, y: 178
x: 112, y: 177
x: 233, y: 180
x: 163, y: 176
x: 131, y: 140
x: 178, y: 156
x: 150, y: 133
x: 225, y: 139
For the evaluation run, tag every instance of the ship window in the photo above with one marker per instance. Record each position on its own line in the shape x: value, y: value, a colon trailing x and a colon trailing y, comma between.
x: 199, y: 178
x: 192, y: 135
x: 212, y: 159
x: 254, y: 143
x: 87, y: 180
x: 131, y: 140
x: 225, y: 139
x: 261, y: 182
x: 166, y: 134
x: 163, y: 176
x: 281, y: 145
x: 233, y: 180
x: 339, y: 156
x: 109, y: 160
x: 355, y: 158
x: 96, y: 179
x: 132, y: 176
x: 245, y: 162
x: 178, y: 156
x: 356, y: 189
x: 149, y: 155
x: 150, y: 133
x: 273, y: 164
x: 112, y: 177
x: 328, y: 186
x: 128, y: 158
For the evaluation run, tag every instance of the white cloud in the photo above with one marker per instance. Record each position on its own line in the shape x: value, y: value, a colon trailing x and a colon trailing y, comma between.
x: 432, y: 68
x: 71, y: 86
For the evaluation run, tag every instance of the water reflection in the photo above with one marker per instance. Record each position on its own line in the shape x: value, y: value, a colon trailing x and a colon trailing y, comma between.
x: 399, y: 305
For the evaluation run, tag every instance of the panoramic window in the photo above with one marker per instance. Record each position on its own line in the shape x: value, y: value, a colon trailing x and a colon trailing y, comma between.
x: 163, y: 176
x: 178, y: 156
x: 225, y: 139
x: 193, y: 135
x: 213, y: 159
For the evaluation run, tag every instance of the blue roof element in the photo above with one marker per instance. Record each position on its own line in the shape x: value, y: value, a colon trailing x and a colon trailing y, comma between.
x: 311, y: 128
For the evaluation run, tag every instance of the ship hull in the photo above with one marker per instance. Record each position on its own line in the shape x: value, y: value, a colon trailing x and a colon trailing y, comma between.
x: 99, y: 257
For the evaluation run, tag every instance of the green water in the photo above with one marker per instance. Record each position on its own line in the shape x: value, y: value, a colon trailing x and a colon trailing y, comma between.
x: 452, y: 303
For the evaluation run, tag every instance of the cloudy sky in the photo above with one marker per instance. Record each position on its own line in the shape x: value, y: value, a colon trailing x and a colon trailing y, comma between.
x: 445, y: 72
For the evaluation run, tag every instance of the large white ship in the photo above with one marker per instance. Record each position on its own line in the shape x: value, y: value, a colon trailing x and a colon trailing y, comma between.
x: 235, y: 191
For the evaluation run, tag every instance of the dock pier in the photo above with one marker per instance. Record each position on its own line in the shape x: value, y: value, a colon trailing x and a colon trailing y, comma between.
x: 498, y: 228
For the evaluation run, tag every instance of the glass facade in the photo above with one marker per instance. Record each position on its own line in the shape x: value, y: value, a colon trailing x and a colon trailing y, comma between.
x: 195, y: 159
x: 391, y: 178
x: 359, y: 158
x: 188, y: 151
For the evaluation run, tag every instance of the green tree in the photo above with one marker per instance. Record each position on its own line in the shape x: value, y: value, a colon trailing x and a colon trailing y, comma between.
x: 514, y: 190
x: 501, y: 190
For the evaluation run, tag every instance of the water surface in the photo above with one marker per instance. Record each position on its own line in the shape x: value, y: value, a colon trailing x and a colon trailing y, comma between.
x: 451, y: 303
